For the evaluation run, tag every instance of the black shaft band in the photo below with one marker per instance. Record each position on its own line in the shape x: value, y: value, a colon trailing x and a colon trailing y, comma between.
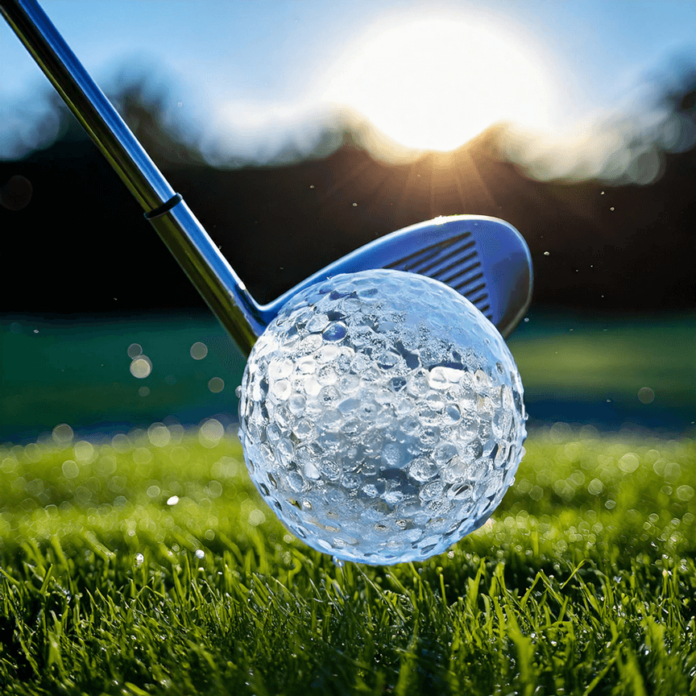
x: 165, y: 207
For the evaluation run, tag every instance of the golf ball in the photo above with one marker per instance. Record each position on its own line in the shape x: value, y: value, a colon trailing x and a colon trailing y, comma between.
x: 381, y: 416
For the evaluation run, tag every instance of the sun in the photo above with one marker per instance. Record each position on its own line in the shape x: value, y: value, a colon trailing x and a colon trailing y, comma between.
x: 434, y: 84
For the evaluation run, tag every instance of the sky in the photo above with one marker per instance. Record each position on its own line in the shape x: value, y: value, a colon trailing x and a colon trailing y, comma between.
x: 249, y: 74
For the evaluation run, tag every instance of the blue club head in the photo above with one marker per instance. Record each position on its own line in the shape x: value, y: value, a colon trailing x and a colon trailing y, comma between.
x: 484, y: 259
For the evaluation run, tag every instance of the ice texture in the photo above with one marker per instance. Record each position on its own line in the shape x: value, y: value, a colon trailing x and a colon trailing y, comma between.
x: 381, y: 416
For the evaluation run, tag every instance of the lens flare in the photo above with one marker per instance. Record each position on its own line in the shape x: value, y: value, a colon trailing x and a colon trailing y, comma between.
x: 437, y: 83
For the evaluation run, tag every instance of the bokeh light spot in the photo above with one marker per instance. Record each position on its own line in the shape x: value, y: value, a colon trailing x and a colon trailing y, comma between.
x: 159, y: 434
x: 216, y: 385
x: 210, y: 433
x: 84, y: 451
x: 62, y: 434
x: 646, y: 395
x: 70, y: 469
x: 141, y: 367
x: 256, y: 517
x: 199, y: 350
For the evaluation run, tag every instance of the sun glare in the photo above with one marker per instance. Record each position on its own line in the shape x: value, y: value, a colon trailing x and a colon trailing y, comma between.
x: 435, y: 84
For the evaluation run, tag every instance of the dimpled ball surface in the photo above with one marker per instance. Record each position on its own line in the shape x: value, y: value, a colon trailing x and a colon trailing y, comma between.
x: 381, y: 416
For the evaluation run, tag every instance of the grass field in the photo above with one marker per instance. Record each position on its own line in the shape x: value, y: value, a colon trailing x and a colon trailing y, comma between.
x: 147, y: 564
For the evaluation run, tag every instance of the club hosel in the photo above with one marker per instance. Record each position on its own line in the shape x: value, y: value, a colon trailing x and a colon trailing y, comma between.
x: 209, y: 271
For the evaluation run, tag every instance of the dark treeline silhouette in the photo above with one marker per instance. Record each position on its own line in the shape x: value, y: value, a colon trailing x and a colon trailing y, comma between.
x: 81, y: 245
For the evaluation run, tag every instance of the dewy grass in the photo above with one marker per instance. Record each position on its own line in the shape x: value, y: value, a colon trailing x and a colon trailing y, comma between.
x: 147, y: 564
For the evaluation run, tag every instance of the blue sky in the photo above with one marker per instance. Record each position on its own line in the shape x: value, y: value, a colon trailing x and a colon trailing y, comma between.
x: 270, y: 53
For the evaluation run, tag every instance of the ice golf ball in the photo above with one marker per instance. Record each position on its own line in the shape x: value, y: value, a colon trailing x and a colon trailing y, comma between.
x: 381, y: 416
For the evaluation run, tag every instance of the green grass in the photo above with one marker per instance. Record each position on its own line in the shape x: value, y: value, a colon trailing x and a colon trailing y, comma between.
x: 141, y: 566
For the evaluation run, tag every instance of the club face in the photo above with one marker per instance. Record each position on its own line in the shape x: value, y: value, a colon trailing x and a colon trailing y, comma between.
x: 484, y: 259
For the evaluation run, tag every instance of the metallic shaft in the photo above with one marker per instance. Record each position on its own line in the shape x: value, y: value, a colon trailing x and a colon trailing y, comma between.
x: 190, y: 244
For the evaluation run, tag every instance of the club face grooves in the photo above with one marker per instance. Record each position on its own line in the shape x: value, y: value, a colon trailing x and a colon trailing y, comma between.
x: 426, y: 252
x: 453, y: 256
x: 439, y: 260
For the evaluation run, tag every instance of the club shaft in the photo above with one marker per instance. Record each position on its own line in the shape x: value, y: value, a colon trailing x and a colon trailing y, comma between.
x: 183, y: 234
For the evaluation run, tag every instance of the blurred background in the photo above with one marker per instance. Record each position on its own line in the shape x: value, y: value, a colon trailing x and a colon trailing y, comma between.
x: 298, y: 131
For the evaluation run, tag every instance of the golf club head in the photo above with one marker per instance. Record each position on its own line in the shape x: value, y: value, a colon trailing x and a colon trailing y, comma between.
x: 484, y: 259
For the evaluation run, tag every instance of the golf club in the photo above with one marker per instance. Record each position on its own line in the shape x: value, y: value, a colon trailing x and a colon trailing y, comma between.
x: 483, y: 258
